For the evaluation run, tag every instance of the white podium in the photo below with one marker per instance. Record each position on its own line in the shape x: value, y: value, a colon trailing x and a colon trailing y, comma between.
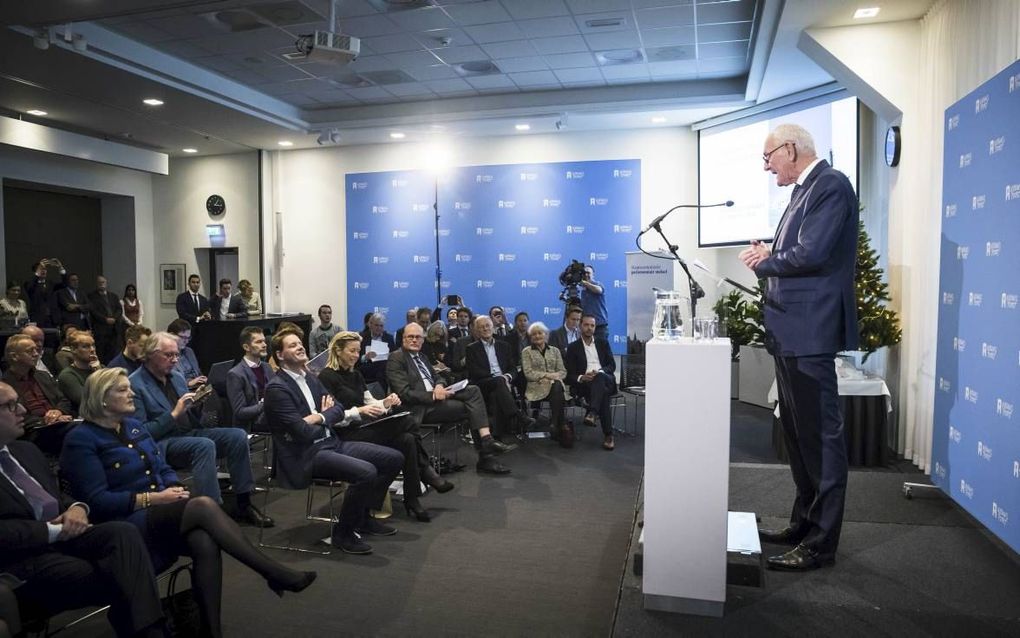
x: 687, y: 456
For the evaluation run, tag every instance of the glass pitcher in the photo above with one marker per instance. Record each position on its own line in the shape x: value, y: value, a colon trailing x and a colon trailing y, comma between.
x: 671, y: 312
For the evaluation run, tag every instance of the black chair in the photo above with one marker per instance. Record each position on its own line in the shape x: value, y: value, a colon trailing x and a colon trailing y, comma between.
x: 632, y: 382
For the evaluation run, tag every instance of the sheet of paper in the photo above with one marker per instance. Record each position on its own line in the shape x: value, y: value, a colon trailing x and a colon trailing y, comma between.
x: 380, y: 348
x: 457, y: 387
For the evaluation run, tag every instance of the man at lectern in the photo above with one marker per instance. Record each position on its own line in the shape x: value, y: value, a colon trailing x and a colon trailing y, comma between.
x: 810, y: 315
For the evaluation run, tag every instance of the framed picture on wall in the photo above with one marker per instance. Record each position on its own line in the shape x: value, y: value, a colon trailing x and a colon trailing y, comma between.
x: 171, y: 282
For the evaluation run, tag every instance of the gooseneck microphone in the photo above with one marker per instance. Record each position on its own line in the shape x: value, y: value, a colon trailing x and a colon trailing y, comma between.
x: 658, y: 220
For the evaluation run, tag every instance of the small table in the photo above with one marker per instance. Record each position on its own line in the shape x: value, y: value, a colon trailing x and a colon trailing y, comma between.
x: 866, y: 403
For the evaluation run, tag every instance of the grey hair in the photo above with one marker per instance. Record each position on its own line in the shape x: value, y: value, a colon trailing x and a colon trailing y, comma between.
x: 153, y: 342
x: 796, y: 134
x: 377, y: 316
x: 538, y: 325
x: 480, y: 319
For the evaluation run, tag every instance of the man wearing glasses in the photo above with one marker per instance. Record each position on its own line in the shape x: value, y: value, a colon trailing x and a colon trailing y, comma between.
x: 167, y: 409
x: 810, y: 315
x: 48, y: 412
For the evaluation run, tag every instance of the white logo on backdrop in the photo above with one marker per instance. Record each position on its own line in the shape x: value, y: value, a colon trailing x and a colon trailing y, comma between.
x: 1009, y: 301
x: 400, y: 234
x: 598, y: 201
x: 443, y: 232
x: 402, y: 285
x: 622, y: 228
x: 551, y: 256
x: 551, y: 310
x: 462, y: 258
x: 575, y: 230
x: 550, y: 203
x: 944, y: 384
x: 379, y: 210
x: 995, y: 145
x: 988, y: 351
x: 419, y: 208
x: 999, y: 514
x: 1004, y: 408
x: 383, y: 310
x: 484, y: 283
x: 529, y: 230
x: 940, y: 470
x: 954, y: 434
x: 361, y: 285
x: 954, y: 121
x: 399, y: 183
x: 977, y: 202
x: 1012, y: 192
x: 1014, y: 82
x: 462, y: 205
x: 598, y: 256
x: 483, y: 231
x: 506, y: 203
x: 974, y: 298
x: 966, y: 489
x: 359, y: 186
x: 981, y: 104
x: 529, y: 283
x: 965, y: 160
x: 984, y: 451
x: 959, y: 344
x: 380, y: 260
x: 575, y: 174
x: 970, y: 394
x: 529, y: 177
x: 619, y: 283
x: 1016, y: 469
x: 507, y: 257
x: 422, y: 259
x: 948, y: 298
x: 962, y: 252
x: 950, y: 210
x: 358, y: 235
x: 622, y: 172
x: 483, y: 179
x: 993, y: 248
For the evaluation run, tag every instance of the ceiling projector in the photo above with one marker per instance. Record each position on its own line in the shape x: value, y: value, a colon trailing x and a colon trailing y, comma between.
x: 329, y: 47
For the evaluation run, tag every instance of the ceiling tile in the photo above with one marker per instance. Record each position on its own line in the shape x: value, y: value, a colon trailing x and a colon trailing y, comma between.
x: 368, y: 26
x: 431, y: 39
x: 446, y: 87
x: 218, y: 63
x: 491, y: 82
x: 189, y: 26
x: 723, y: 49
x: 503, y: 50
x: 331, y: 96
x: 617, y: 40
x: 548, y: 27
x: 625, y: 72
x: 566, y: 44
x: 298, y: 100
x: 409, y: 89
x: 668, y: 37
x: 187, y: 49
x: 143, y: 32
x: 570, y: 60
x: 735, y: 11
x: 590, y: 6
x: 673, y: 53
x: 724, y: 32
x: 734, y: 65
x: 624, y: 19
x: 244, y: 76
x: 499, y: 32
x: 297, y: 86
x: 518, y: 65
x: 477, y: 13
x: 370, y: 63
x: 345, y: 9
x: 437, y: 72
x: 527, y: 9
x: 666, y: 17
x: 456, y: 55
x: 578, y: 76
x: 422, y: 19
x: 282, y: 73
x: 413, y: 59
x: 651, y: 4
x: 535, y: 78
x: 392, y: 43
x: 370, y: 93
x: 678, y: 68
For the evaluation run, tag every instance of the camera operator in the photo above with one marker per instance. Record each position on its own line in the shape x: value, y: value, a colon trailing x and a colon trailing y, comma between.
x: 593, y: 302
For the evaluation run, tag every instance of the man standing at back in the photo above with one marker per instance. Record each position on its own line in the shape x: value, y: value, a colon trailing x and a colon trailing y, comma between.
x: 105, y: 312
x: 192, y: 306
x: 810, y: 315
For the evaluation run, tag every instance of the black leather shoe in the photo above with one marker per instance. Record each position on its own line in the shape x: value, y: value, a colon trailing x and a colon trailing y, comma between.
x: 254, y: 516
x: 351, y: 544
x: 801, y: 559
x: 490, y: 446
x: 373, y: 527
x: 435, y: 481
x: 783, y: 536
x: 489, y: 465
x: 526, y: 422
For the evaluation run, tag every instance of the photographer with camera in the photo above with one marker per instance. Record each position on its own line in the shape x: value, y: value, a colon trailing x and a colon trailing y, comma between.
x: 593, y: 302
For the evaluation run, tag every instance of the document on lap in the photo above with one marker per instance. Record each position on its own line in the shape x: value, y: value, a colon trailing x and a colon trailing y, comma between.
x: 381, y: 350
x: 395, y: 415
x: 457, y: 387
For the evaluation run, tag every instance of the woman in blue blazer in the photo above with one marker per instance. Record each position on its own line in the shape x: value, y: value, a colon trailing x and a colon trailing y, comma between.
x: 114, y: 465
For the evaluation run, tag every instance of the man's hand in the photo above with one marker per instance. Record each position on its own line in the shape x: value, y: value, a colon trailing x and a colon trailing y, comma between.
x: 588, y: 376
x: 439, y: 393
x: 327, y: 402
x: 373, y: 411
x: 369, y: 355
x: 755, y: 254
x: 197, y: 381
x: 52, y: 416
x: 110, y: 321
x: 183, y: 404
x: 391, y: 400
x: 75, y: 521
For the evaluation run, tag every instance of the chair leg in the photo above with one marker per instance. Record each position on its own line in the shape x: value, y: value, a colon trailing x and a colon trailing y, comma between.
x: 287, y: 548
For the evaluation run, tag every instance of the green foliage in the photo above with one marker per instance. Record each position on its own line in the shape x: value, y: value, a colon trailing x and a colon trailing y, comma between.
x: 741, y: 318
x: 877, y: 325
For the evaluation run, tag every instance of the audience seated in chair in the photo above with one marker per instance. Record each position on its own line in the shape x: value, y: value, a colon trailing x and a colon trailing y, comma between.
x: 49, y: 413
x: 462, y: 330
x: 62, y: 357
x: 590, y: 367
x: 423, y: 391
x: 247, y: 381
x: 226, y: 305
x: 544, y: 370
x: 302, y: 415
x: 114, y: 465
x: 375, y: 371
x: 47, y: 361
x: 318, y: 340
x: 187, y: 365
x: 490, y: 366
x: 569, y: 332
x: 65, y: 560
x: 192, y: 305
x: 71, y: 380
x: 13, y: 308
x: 105, y: 315
x: 165, y: 408
x: 436, y: 346
x: 131, y: 357
x: 348, y: 388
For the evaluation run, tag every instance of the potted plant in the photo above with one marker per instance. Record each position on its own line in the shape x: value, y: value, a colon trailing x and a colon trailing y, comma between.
x: 741, y: 320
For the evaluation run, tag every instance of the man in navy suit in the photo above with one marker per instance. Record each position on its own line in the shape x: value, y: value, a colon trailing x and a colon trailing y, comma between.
x: 490, y: 366
x: 225, y: 305
x: 302, y: 415
x: 810, y: 315
x: 192, y: 306
x: 591, y: 372
x: 246, y: 381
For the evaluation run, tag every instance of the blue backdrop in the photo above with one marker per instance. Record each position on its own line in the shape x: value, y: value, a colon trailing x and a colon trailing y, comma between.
x: 976, y: 448
x: 506, y: 233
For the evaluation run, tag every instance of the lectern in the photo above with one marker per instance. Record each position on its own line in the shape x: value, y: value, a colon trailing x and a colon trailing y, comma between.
x: 687, y: 456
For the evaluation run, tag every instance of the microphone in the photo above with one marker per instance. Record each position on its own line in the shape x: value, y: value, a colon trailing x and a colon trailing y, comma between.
x: 658, y: 220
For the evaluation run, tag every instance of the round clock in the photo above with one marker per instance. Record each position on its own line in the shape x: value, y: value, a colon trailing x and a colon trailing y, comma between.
x: 892, y: 146
x: 215, y: 205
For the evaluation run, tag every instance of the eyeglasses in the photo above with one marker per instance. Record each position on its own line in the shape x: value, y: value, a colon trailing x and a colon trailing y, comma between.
x: 170, y: 355
x: 766, y: 156
x: 11, y: 405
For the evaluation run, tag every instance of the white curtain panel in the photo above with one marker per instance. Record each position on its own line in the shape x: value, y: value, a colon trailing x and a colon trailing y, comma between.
x: 963, y: 43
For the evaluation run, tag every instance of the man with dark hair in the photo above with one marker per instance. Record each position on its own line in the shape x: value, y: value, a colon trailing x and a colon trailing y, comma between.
x: 498, y: 318
x: 131, y: 357
x: 192, y: 306
x: 48, y: 542
x: 187, y: 365
x: 318, y: 339
x: 590, y: 375
x: 38, y: 292
x: 462, y: 330
x: 593, y: 302
x: 84, y: 362
x: 517, y: 338
x: 490, y: 367
x: 226, y: 305
x: 423, y: 316
x: 246, y: 381
x: 74, y: 306
x: 423, y: 391
x: 569, y: 332
x: 49, y: 412
x: 105, y: 312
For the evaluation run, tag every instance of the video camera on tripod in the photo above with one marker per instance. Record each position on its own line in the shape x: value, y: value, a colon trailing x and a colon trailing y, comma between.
x: 571, y: 279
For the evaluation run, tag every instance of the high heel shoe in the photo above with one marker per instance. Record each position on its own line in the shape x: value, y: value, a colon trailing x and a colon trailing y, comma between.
x: 435, y: 481
x: 306, y: 579
x: 415, y: 510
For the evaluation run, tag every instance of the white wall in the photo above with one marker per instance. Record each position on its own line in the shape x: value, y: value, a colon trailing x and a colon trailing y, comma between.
x: 44, y: 168
x: 181, y: 217
x: 308, y: 188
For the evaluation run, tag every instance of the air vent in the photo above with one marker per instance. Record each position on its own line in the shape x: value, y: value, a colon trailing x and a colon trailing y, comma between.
x: 671, y: 54
x: 619, y: 56
x: 477, y: 67
x: 350, y: 81
x: 389, y: 6
x: 284, y: 14
x: 236, y: 20
x: 383, y: 78
x: 604, y: 23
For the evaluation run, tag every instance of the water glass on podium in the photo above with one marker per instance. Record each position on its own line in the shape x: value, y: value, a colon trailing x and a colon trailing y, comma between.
x: 706, y: 328
x: 671, y: 312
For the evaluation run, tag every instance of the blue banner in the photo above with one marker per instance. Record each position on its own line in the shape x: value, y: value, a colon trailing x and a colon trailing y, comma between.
x: 976, y: 447
x: 505, y: 234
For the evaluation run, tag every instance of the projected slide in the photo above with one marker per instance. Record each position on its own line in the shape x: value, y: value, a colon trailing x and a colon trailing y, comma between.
x: 731, y: 168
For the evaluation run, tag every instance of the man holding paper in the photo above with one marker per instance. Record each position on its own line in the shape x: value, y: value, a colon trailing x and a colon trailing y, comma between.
x: 376, y: 344
x: 424, y: 392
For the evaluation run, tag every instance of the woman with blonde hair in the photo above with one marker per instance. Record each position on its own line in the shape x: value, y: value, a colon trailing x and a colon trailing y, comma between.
x: 251, y: 299
x: 348, y: 388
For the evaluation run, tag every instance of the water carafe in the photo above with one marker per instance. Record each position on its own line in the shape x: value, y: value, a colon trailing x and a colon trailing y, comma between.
x: 671, y: 312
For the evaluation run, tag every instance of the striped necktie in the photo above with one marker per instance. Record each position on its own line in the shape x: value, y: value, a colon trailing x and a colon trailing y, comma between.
x: 43, y: 504
x: 423, y: 369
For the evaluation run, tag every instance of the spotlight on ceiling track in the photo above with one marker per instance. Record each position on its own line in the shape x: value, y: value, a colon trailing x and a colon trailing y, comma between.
x: 328, y: 137
x: 41, y: 40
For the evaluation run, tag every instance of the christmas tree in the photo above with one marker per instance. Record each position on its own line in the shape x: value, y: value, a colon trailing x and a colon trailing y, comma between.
x: 877, y: 325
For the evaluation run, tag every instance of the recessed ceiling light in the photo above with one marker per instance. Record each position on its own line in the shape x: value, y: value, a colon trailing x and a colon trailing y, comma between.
x: 522, y: 127
x: 285, y: 143
x: 869, y: 12
x: 153, y: 101
x: 190, y: 150
x: 36, y: 112
x: 397, y: 135
x: 658, y: 119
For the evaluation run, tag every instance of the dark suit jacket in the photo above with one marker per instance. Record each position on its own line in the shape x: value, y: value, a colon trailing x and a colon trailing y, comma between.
x: 405, y: 381
x: 558, y: 338
x: 152, y: 407
x: 235, y: 306
x: 243, y: 393
x: 52, y: 392
x: 101, y: 308
x: 366, y: 340
x: 295, y: 440
x: 186, y: 307
x: 577, y: 363
x: 23, y: 536
x: 78, y: 317
x: 478, y: 362
x: 811, y: 306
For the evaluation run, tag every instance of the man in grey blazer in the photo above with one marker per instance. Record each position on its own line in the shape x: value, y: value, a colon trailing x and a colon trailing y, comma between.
x: 810, y: 315
x: 247, y: 381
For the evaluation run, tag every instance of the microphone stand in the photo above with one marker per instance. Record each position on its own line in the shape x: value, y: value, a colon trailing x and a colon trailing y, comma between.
x: 697, y: 292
